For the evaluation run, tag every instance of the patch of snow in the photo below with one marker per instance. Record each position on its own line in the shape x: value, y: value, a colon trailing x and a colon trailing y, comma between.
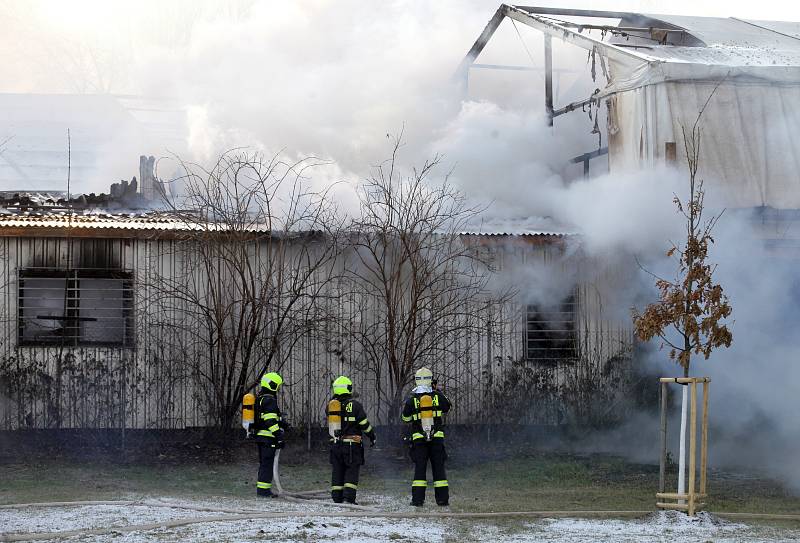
x: 666, y: 527
x: 53, y: 519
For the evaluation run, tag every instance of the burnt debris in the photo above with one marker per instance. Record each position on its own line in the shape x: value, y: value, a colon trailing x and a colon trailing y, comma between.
x: 125, y: 195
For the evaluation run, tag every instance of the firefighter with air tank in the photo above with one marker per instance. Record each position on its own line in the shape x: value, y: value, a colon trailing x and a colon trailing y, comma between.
x: 264, y: 422
x: 424, y: 410
x: 347, y: 421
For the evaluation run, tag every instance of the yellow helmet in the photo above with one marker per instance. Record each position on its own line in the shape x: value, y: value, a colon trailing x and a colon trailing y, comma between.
x: 423, y: 377
x: 271, y: 381
x: 342, y: 385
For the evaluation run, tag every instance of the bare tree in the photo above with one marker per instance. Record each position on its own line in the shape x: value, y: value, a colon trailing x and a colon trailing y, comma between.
x: 248, y: 278
x: 687, y: 317
x: 424, y: 283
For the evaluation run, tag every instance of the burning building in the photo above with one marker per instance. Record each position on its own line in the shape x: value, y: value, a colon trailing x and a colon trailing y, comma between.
x: 87, y: 338
x: 101, y: 330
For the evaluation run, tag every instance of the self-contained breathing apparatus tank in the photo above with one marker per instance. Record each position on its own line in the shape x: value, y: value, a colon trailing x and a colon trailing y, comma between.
x: 334, y: 418
x: 426, y: 415
x: 248, y: 411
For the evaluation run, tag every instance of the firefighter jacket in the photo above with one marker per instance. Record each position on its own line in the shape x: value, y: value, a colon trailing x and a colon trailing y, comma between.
x: 354, y: 419
x: 269, y: 424
x: 411, y: 414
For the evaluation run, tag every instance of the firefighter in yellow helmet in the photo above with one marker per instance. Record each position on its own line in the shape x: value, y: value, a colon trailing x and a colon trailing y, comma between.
x: 424, y: 410
x: 347, y: 421
x: 268, y: 430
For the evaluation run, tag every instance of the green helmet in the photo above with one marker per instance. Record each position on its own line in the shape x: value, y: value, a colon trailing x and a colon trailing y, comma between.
x: 271, y: 381
x: 342, y: 385
x: 423, y: 377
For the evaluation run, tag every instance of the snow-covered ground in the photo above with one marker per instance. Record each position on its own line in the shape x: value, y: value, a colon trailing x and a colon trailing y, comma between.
x: 300, y: 524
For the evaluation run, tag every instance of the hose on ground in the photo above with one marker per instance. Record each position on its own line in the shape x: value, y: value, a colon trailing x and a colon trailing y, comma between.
x: 321, y: 494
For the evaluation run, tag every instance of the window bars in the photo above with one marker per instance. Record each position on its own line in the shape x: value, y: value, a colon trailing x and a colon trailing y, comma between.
x: 75, y: 307
x: 550, y: 332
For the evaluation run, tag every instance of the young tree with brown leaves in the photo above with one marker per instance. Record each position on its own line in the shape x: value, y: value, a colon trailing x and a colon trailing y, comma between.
x: 689, y: 313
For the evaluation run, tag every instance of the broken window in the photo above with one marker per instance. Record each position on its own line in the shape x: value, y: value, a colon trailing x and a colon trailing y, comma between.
x: 550, y: 332
x: 76, y: 307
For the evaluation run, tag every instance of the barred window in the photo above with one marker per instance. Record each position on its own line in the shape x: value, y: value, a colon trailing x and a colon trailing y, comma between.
x: 550, y: 332
x: 75, y: 307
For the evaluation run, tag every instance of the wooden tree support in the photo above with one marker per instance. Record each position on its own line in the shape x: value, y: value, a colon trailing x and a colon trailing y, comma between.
x: 689, y: 501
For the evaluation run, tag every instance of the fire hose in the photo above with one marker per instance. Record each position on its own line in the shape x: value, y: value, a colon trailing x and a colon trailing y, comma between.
x: 278, y: 490
x: 304, y: 495
x: 248, y: 417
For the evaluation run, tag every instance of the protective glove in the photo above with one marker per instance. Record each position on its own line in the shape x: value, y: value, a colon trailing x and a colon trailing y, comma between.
x: 280, y: 444
x: 372, y: 441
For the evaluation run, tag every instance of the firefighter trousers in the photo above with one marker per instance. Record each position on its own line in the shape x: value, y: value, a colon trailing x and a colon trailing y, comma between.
x: 266, y: 457
x: 346, y: 461
x: 421, y: 453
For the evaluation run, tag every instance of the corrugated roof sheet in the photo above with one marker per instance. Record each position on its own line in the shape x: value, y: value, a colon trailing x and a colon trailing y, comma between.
x: 492, y: 225
x: 160, y: 221
x: 154, y: 221
x: 517, y: 234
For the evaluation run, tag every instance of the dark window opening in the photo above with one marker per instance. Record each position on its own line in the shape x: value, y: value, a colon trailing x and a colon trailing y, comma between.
x: 75, y: 307
x: 550, y: 332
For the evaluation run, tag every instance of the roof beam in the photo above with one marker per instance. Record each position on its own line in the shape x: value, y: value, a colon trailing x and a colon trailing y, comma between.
x: 548, y: 78
x: 504, y: 67
x: 590, y: 155
x: 463, y: 68
x: 574, y: 105
x: 577, y: 12
x: 586, y: 157
x: 589, y: 43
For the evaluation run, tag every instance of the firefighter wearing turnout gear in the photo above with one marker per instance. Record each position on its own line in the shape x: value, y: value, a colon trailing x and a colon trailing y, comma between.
x: 267, y: 430
x: 347, y: 421
x: 424, y: 410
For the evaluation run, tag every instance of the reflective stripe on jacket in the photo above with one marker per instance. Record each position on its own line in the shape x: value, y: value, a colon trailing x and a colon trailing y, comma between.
x: 268, y: 424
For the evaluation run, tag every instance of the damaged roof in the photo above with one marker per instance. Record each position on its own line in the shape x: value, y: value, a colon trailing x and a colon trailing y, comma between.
x: 727, y: 41
x: 156, y: 223
x: 643, y: 48
x: 98, y: 220
x: 54, y: 213
x: 670, y: 38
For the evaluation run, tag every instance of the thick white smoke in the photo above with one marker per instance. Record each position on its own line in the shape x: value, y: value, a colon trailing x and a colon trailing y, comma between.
x: 514, y: 160
x: 316, y: 77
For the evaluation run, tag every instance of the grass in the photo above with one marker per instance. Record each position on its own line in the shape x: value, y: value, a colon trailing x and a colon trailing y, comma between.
x: 529, y: 480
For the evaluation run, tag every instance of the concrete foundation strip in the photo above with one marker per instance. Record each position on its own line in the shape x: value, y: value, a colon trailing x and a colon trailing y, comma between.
x: 252, y: 515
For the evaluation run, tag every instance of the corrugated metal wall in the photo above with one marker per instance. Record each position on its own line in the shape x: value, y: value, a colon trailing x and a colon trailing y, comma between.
x: 152, y: 386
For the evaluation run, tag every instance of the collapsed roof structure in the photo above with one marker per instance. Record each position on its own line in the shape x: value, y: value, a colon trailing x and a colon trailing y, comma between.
x: 661, y: 70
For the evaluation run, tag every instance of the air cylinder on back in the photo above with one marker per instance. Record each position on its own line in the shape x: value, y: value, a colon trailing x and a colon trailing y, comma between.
x: 248, y: 410
x: 426, y: 414
x: 334, y: 418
